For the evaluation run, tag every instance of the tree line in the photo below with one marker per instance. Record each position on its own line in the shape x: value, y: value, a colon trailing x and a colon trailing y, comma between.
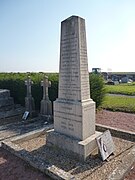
x: 15, y: 82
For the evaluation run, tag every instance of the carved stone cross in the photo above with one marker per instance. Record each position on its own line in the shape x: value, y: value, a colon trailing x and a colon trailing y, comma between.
x: 46, y: 84
x: 28, y: 83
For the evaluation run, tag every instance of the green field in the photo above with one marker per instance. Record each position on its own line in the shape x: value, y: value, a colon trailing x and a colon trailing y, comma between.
x: 119, y: 103
x: 15, y: 83
x: 126, y: 89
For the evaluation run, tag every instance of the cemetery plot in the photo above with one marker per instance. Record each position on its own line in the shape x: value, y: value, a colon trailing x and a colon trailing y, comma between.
x: 93, y: 168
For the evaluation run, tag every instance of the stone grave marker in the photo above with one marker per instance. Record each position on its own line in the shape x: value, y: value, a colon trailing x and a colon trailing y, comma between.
x: 6, y: 102
x: 25, y: 115
x: 29, y: 100
x: 74, y: 110
x: 105, y: 144
x: 46, y: 105
x: 9, y: 112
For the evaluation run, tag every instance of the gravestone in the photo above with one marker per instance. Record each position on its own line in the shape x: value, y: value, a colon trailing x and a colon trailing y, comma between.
x: 74, y: 110
x: 46, y: 105
x: 105, y: 144
x: 29, y: 100
x: 9, y: 112
x: 6, y: 102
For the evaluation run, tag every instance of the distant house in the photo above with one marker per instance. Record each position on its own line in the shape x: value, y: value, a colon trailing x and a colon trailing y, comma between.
x: 123, y: 77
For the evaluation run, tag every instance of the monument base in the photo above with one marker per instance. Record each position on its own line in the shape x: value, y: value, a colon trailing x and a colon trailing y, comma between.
x: 80, y: 149
x: 30, y: 106
x: 46, y: 107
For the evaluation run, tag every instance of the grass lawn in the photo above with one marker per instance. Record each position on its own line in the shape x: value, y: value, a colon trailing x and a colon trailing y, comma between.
x: 117, y: 103
x: 127, y: 89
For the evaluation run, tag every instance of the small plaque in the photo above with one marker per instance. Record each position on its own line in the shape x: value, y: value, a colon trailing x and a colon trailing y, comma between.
x: 25, y: 115
x: 105, y: 144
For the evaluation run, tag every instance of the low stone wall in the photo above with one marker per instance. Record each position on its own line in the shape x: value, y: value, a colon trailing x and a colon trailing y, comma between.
x: 57, y: 173
x: 50, y: 170
x: 122, y: 170
x: 127, y: 135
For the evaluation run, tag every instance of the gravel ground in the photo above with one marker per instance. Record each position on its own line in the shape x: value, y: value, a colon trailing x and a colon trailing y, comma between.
x: 119, y: 120
x: 131, y: 174
x: 94, y: 168
x: 13, y: 168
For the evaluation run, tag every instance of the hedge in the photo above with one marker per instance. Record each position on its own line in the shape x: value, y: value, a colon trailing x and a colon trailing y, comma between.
x: 97, y: 88
x: 15, y: 82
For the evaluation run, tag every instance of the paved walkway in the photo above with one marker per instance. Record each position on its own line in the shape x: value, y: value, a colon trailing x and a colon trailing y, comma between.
x: 121, y: 95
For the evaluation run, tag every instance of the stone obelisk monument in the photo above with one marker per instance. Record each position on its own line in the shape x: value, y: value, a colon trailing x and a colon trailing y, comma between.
x: 74, y: 110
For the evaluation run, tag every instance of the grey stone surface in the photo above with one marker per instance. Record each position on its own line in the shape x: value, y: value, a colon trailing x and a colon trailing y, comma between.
x: 4, y: 93
x: 124, y: 167
x: 6, y: 102
x: 8, y: 110
x: 74, y: 110
x: 105, y: 144
x: 79, y: 149
x: 22, y: 127
x: 46, y: 105
x: 127, y: 135
x: 29, y: 100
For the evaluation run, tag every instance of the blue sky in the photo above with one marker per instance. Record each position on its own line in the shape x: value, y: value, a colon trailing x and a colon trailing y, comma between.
x: 30, y: 33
